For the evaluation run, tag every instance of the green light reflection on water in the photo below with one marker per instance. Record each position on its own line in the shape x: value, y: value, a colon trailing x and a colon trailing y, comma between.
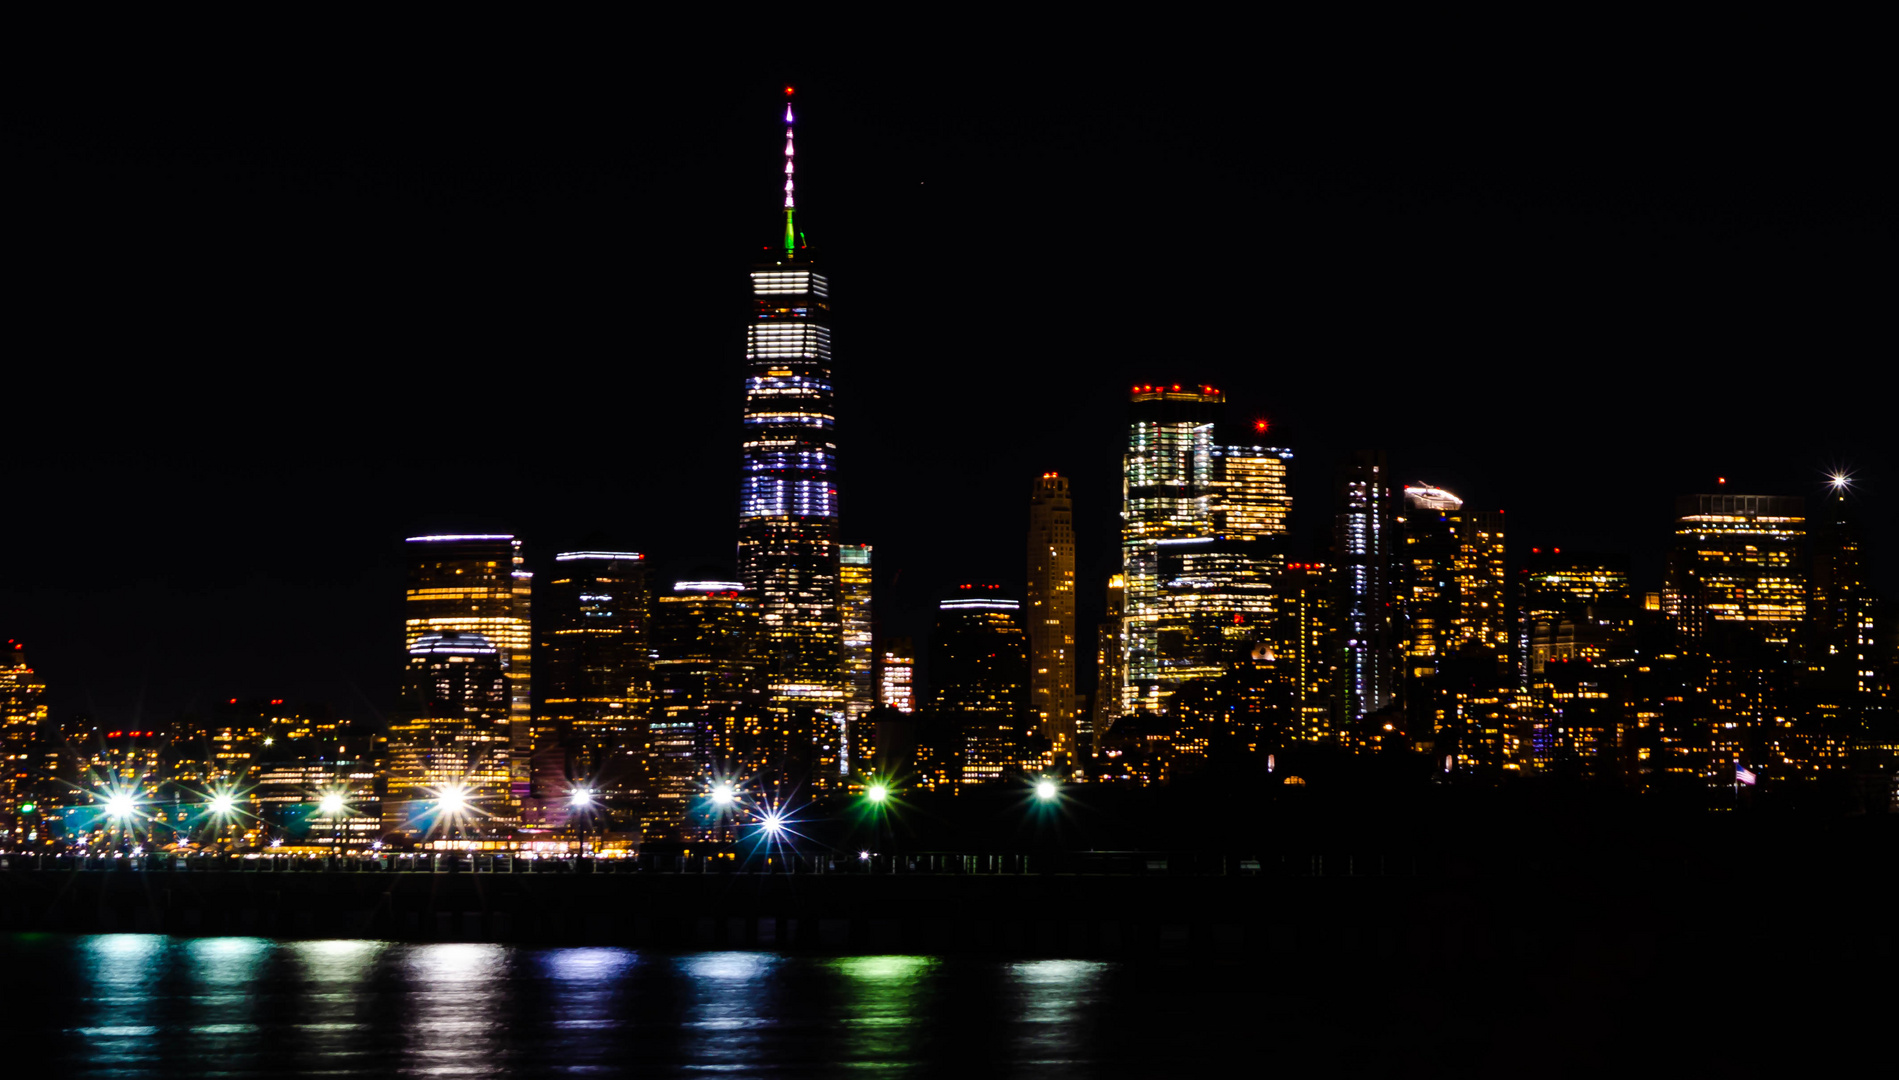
x: 885, y: 997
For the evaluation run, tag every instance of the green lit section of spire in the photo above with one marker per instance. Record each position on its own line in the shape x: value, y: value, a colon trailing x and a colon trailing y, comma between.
x: 791, y: 203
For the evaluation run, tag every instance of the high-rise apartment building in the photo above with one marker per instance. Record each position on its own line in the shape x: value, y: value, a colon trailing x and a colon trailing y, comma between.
x: 593, y: 681
x: 788, y: 513
x: 1050, y: 615
x: 1362, y: 543
x: 476, y: 583
x: 979, y: 673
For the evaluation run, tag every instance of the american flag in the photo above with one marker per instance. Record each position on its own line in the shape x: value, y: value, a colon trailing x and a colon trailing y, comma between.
x: 1743, y: 776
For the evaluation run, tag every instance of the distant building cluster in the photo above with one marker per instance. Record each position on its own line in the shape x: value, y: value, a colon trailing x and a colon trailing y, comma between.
x: 598, y: 705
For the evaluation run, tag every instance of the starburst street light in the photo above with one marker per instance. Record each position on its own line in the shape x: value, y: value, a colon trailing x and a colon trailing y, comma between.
x: 120, y: 805
x: 773, y: 823
x: 582, y: 798
x: 223, y: 803
x: 1841, y: 480
x: 453, y: 799
x: 1045, y: 789
x: 722, y: 794
x: 876, y: 793
x: 332, y: 804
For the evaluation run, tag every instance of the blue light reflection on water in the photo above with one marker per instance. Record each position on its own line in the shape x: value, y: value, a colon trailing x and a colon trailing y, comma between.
x: 148, y: 1005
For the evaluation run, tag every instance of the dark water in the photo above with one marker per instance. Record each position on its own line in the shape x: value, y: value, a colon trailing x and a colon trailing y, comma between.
x: 150, y: 1005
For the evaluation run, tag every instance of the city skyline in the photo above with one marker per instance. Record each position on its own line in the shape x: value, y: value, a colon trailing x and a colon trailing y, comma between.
x: 304, y: 535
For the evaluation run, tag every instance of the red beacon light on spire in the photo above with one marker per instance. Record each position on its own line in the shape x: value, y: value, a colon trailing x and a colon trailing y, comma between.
x: 1259, y: 426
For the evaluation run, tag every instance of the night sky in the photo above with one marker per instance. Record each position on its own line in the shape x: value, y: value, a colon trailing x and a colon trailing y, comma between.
x: 264, y: 328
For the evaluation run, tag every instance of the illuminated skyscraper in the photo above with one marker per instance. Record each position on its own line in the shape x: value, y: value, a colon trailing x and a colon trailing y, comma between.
x: 594, y: 682
x: 1201, y: 532
x: 1737, y: 565
x: 1167, y: 474
x: 1051, y: 616
x: 22, y: 719
x: 451, y: 739
x: 896, y: 676
x: 1361, y: 544
x: 1454, y: 595
x: 788, y: 523
x: 476, y: 584
x: 979, y: 673
x: 711, y: 715
x: 854, y: 592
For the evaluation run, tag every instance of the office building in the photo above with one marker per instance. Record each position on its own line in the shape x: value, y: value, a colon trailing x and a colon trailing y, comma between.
x: 22, y: 720
x: 450, y: 746
x: 712, y: 720
x: 1737, y: 566
x: 896, y: 675
x: 1050, y: 615
x: 1166, y: 472
x: 1362, y: 543
x: 979, y: 673
x: 854, y: 592
x: 1202, y: 523
x: 476, y: 583
x: 788, y: 555
x: 593, y: 679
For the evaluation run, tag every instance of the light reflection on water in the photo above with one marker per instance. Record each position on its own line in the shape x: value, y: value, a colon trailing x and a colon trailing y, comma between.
x: 148, y: 1005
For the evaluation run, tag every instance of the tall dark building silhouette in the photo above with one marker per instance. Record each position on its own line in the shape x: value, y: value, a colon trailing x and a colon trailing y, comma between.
x: 979, y: 673
x: 1842, y: 648
x: 1051, y: 616
x: 788, y: 512
x: 593, y: 680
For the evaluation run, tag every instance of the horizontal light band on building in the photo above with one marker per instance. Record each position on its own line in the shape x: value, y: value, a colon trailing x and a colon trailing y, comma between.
x: 1189, y: 540
x: 458, y: 536
x: 708, y: 586
x: 979, y: 605
x: 569, y: 556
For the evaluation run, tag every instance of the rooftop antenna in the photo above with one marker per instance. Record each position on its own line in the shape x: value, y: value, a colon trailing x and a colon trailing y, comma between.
x: 791, y: 203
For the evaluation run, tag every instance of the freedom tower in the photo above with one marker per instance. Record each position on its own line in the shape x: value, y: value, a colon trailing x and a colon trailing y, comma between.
x: 788, y: 527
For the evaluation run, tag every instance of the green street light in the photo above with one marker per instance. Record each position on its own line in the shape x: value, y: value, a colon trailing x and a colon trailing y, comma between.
x: 222, y: 803
x: 120, y: 806
x: 1045, y: 789
x: 876, y: 793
